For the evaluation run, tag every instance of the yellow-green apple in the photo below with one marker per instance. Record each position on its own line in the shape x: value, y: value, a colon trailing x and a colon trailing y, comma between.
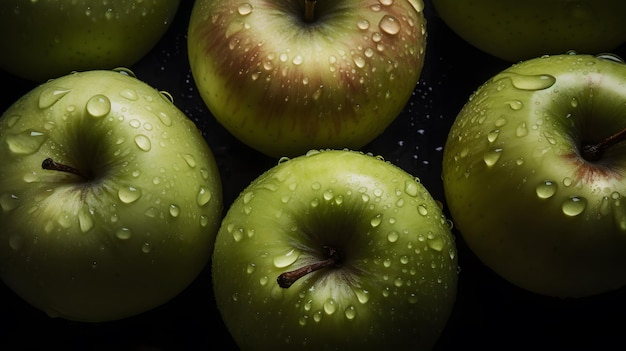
x: 534, y: 174
x: 110, y: 198
x: 519, y: 30
x: 338, y: 250
x: 286, y: 76
x: 46, y: 39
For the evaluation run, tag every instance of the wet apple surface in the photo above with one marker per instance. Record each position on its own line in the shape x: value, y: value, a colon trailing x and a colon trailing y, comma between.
x: 489, y: 313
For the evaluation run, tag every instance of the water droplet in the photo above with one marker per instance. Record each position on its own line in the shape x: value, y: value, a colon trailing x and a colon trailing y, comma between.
x: 350, y: 312
x: 297, y: 60
x: 174, y: 210
x: 363, y: 24
x: 546, y: 189
x: 493, y: 135
x: 611, y: 57
x: 234, y: 27
x: 16, y: 242
x: 204, y: 221
x: 574, y: 102
x: 203, y: 197
x: 574, y: 205
x: 244, y: 9
x: 129, y: 94
x: 530, y: 82
x: 85, y: 220
x: 362, y: 295
x: 151, y: 212
x: 393, y: 236
x: 436, y: 243
x: 422, y: 210
x: 286, y: 259
x: 146, y: 248
x: 411, y: 188
x: 277, y: 293
x: 521, y: 130
x: 492, y: 156
x: 389, y: 25
x: 515, y: 105
x: 164, y: 118
x: 50, y: 96
x: 143, y: 142
x: 123, y: 233
x: 359, y: 61
x: 328, y: 195
x: 251, y: 268
x: 317, y: 316
x: 330, y: 306
x: 418, y: 5
x: 129, y: 194
x: 8, y: 201
x: 26, y: 142
x: 98, y: 106
x: 375, y: 222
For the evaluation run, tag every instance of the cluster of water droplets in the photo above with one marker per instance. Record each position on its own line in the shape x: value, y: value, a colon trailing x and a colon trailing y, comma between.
x: 276, y: 63
x: 99, y: 106
x: 573, y: 205
x: 414, y: 262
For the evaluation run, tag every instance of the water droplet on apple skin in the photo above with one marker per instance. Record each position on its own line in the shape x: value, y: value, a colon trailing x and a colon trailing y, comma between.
x: 26, y: 142
x: 546, y: 189
x: 98, y: 106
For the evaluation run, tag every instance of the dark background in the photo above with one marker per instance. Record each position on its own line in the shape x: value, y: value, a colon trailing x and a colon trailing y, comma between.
x: 489, y: 314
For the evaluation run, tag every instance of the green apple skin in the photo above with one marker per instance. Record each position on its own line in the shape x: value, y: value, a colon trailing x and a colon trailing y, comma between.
x: 526, y: 201
x: 520, y: 30
x: 137, y: 232
x: 284, y: 86
x: 47, y: 39
x: 395, y: 288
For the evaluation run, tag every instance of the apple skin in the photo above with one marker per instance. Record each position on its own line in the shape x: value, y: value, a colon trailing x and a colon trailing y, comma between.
x: 520, y: 30
x: 51, y: 38
x: 395, y: 288
x: 131, y: 238
x: 284, y: 86
x: 518, y: 188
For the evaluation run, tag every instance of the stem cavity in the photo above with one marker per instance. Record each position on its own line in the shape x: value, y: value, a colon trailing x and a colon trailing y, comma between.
x: 593, y: 152
x: 309, y: 10
x: 334, y: 259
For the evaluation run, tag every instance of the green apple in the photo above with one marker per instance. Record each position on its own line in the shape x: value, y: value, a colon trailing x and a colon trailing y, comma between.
x: 46, y: 39
x: 338, y: 250
x: 516, y: 30
x: 534, y: 174
x: 286, y: 76
x: 110, y: 198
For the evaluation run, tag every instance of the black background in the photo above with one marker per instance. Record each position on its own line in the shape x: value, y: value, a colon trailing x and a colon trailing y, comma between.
x: 489, y: 314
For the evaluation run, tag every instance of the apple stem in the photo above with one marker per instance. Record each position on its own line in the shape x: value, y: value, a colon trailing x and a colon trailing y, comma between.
x: 593, y: 152
x: 309, y: 10
x: 334, y: 259
x: 50, y: 164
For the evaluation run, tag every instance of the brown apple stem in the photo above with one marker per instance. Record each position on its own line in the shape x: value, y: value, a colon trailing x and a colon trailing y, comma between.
x: 334, y: 259
x: 593, y: 152
x: 309, y: 10
x: 50, y: 164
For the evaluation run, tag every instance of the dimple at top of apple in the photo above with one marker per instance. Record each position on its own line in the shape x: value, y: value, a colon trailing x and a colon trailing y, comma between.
x: 517, y: 184
x: 519, y: 30
x: 395, y: 287
x: 137, y: 226
x: 46, y: 39
x: 284, y: 85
